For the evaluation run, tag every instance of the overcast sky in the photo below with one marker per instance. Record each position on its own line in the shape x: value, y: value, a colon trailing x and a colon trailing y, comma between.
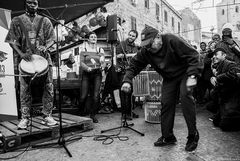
x: 206, y: 15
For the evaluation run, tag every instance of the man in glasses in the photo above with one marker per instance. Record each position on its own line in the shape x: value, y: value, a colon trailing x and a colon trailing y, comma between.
x: 178, y: 63
x: 31, y: 34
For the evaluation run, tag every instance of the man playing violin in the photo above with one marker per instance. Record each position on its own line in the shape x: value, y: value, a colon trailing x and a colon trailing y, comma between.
x: 30, y: 34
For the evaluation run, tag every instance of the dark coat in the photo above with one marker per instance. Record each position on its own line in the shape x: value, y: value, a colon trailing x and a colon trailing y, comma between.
x: 175, y: 59
x: 228, y: 87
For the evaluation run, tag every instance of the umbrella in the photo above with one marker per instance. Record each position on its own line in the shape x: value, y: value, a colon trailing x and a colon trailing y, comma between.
x: 67, y: 10
x: 5, y: 16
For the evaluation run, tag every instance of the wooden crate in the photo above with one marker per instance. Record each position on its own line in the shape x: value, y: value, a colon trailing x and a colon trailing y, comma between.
x: 14, y: 138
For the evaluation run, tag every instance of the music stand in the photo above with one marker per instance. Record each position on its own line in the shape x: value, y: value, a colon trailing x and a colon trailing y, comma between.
x: 61, y: 140
x: 124, y: 105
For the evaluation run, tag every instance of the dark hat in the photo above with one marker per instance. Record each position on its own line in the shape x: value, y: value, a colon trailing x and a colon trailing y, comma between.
x: 220, y: 49
x: 148, y: 33
x: 226, y: 30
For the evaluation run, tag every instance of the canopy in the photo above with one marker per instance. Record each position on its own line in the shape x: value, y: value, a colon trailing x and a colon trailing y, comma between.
x: 67, y: 10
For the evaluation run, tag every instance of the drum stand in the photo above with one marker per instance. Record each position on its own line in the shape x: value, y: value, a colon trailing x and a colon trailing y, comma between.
x: 124, y: 123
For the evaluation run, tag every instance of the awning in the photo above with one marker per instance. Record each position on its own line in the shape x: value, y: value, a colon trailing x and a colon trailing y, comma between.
x: 67, y: 10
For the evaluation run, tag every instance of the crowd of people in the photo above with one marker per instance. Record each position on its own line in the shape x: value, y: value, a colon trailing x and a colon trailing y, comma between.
x: 211, y: 76
x: 219, y: 84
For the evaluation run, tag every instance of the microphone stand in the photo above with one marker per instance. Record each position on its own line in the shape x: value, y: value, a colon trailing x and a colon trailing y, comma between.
x: 61, y: 140
x: 124, y: 105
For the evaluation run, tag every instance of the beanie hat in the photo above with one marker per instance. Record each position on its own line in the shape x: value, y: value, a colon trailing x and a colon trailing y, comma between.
x: 148, y: 33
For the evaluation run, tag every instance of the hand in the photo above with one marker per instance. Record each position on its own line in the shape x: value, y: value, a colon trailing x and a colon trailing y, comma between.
x: 120, y: 56
x: 41, y: 48
x: 89, y: 69
x: 213, y: 80
x: 191, y: 82
x: 229, y: 41
x: 26, y: 57
x: 126, y: 87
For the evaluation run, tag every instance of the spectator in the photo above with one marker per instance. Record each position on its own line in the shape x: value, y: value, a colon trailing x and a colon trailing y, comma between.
x: 227, y: 85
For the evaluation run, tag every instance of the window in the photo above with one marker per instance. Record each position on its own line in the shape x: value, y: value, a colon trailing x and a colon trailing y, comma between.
x: 173, y: 22
x: 146, y: 4
x: 222, y: 11
x: 179, y: 27
x: 133, y: 23
x: 157, y: 10
x: 165, y: 16
x: 237, y: 9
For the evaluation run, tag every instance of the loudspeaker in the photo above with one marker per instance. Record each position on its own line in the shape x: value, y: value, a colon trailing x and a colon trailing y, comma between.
x: 112, y: 28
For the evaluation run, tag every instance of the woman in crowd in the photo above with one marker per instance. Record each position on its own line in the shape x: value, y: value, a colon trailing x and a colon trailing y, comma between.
x: 92, y: 61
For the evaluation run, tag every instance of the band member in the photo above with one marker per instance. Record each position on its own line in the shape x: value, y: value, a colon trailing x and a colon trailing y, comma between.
x: 31, y: 34
x: 92, y: 60
x: 179, y: 65
x: 124, y: 49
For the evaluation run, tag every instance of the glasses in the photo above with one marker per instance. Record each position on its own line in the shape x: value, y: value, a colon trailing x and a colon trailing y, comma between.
x: 92, y: 36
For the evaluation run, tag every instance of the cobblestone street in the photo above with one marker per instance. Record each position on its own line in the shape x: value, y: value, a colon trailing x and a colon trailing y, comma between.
x: 214, y: 144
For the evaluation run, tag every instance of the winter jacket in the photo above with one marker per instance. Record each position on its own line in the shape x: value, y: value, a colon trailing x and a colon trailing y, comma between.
x: 175, y: 59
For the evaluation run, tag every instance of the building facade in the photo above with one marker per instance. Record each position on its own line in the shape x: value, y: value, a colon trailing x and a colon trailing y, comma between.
x: 228, y: 12
x: 136, y: 14
x: 191, y: 26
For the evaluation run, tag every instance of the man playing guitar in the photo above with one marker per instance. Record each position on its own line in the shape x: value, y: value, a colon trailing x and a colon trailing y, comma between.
x: 125, y: 50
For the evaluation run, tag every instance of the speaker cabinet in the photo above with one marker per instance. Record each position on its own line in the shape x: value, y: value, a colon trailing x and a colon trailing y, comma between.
x: 112, y: 28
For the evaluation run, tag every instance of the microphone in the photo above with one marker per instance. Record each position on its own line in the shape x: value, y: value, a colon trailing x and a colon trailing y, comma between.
x: 39, y: 9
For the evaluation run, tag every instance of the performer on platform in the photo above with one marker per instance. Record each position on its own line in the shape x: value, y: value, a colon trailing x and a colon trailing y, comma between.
x: 92, y: 61
x: 30, y: 34
x: 123, y: 50
x: 178, y: 63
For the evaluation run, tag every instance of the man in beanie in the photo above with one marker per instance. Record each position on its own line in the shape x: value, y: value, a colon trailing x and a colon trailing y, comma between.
x: 178, y: 64
x: 229, y: 45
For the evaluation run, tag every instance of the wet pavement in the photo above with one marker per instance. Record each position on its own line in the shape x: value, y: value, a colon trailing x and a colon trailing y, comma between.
x: 214, y: 144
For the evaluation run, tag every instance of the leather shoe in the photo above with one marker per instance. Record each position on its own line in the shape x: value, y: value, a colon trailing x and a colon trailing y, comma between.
x: 192, y: 142
x: 162, y: 141
x: 95, y: 120
x: 134, y: 115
